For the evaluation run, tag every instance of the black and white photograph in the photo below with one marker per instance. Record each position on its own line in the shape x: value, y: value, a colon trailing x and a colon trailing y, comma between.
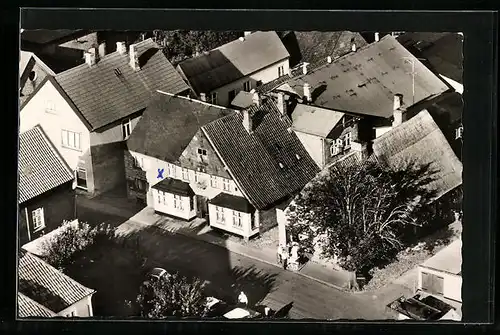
x: 209, y: 174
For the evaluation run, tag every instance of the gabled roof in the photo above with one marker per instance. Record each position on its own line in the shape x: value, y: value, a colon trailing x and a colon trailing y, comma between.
x: 46, y: 285
x: 168, y: 125
x: 30, y: 308
x: 233, y: 61
x: 419, y: 140
x: 41, y: 168
x: 111, y: 90
x: 269, y: 164
x: 315, y: 120
x: 448, y: 259
x: 365, y: 82
x: 174, y: 186
x: 24, y: 63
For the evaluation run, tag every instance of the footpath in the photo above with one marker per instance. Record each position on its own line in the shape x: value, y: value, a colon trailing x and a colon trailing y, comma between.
x: 197, y: 228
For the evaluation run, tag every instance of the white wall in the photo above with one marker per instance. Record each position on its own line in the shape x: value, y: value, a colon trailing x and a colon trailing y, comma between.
x: 246, y: 218
x: 82, y: 308
x: 265, y: 75
x: 452, y: 284
x: 314, y: 146
x: 379, y: 131
x: 65, y: 118
x: 186, y: 213
x: 111, y: 134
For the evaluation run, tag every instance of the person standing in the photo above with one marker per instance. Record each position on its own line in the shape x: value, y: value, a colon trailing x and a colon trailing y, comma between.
x: 284, y: 258
x: 280, y: 254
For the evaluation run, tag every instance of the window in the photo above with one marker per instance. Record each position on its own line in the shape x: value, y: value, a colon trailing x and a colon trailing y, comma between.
x: 246, y: 86
x: 32, y: 76
x: 219, y: 214
x: 459, y: 132
x: 212, y: 98
x: 432, y: 283
x: 202, y: 152
x: 171, y: 170
x: 281, y: 71
x: 81, y: 178
x: 72, y: 314
x: 225, y: 184
x: 214, y: 182
x: 163, y: 198
x: 126, y: 128
x: 191, y: 203
x: 38, y: 219
x: 185, y: 174
x: 231, y: 95
x: 197, y: 177
x: 237, y: 220
x: 159, y: 197
x: 139, y: 184
x: 178, y: 202
x: 71, y: 140
x: 347, y: 140
x: 50, y: 107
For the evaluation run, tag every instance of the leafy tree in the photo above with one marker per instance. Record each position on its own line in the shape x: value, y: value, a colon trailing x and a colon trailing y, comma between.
x: 172, y: 296
x: 361, y: 212
x: 181, y: 44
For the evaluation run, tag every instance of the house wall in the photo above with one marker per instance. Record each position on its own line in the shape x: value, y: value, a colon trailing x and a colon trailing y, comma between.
x: 82, y: 308
x: 113, y: 132
x: 165, y: 204
x: 108, y: 167
x: 452, y: 284
x: 267, y: 219
x: 246, y: 218
x: 58, y: 206
x: 133, y: 173
x: 63, y: 117
x: 314, y: 146
x: 265, y: 75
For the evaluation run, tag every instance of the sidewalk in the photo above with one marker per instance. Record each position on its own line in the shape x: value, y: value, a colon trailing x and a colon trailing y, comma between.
x: 199, y: 230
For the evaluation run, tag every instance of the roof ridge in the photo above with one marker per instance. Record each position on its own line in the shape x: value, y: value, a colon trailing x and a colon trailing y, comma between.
x: 193, y: 100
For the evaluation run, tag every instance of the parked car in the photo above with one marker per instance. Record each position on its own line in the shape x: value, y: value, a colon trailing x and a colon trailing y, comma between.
x: 219, y: 308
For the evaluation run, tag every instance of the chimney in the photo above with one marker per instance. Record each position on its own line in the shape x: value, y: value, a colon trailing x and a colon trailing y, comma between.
x: 329, y: 59
x: 304, y: 68
x: 134, y: 58
x: 353, y: 47
x: 102, y: 50
x: 377, y: 37
x: 398, y: 101
x: 203, y: 97
x: 307, y: 92
x: 399, y: 113
x: 246, y: 33
x: 282, y: 104
x: 256, y: 98
x: 121, y: 48
x: 247, y: 121
x: 91, y: 57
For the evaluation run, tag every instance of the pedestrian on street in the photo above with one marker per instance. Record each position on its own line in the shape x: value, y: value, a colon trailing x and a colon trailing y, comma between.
x: 280, y: 254
x: 285, y: 259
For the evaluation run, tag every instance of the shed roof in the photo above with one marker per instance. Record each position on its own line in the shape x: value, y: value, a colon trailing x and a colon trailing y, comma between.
x: 112, y: 90
x: 174, y: 186
x: 169, y: 124
x: 315, y: 120
x: 448, y: 259
x: 233, y: 61
x: 41, y: 168
x: 365, y: 81
x: 226, y: 200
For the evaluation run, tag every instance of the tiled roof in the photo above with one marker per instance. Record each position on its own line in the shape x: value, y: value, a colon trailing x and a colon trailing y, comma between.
x: 315, y: 120
x: 174, y: 186
x: 268, y: 87
x: 419, y: 140
x: 243, y: 99
x: 232, y: 202
x: 24, y: 60
x: 111, y: 90
x: 169, y: 124
x: 30, y: 308
x: 41, y: 168
x: 233, y: 61
x: 269, y: 164
x: 46, y: 285
x: 365, y: 81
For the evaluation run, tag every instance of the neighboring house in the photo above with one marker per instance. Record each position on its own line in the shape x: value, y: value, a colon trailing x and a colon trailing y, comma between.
x: 314, y: 47
x: 32, y: 72
x: 439, y: 288
x: 191, y: 158
x: 88, y: 111
x: 241, y: 65
x: 46, y: 194
x: 44, y: 291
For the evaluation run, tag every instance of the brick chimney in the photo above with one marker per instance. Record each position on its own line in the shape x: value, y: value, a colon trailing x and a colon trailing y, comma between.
x: 307, y: 92
x: 102, y: 50
x: 399, y: 112
x: 377, y: 37
x: 247, y: 121
x: 282, y: 104
x: 121, y: 48
x: 134, y: 58
x: 304, y: 68
x: 91, y: 57
x: 256, y: 98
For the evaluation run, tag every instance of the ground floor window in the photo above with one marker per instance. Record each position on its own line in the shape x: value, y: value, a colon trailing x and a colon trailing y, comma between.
x: 38, y: 219
x: 432, y: 283
x: 237, y: 222
x: 178, y: 203
x: 81, y: 178
x: 219, y: 215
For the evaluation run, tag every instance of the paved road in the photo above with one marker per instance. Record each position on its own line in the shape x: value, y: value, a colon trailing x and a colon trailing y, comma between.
x: 227, y: 273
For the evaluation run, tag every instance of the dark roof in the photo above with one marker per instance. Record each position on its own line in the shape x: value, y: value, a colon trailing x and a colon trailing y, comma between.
x: 174, y: 186
x: 264, y: 163
x: 268, y: 87
x: 233, y: 61
x: 46, y: 285
x: 168, y: 125
x: 419, y: 140
x: 365, y: 81
x: 102, y: 96
x: 243, y: 99
x: 30, y: 308
x: 44, y: 36
x: 41, y: 168
x: 450, y: 108
x: 428, y: 308
x: 233, y: 202
x: 443, y: 51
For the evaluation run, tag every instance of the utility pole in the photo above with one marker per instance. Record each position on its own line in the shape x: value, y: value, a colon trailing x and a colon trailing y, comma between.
x: 412, y: 61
